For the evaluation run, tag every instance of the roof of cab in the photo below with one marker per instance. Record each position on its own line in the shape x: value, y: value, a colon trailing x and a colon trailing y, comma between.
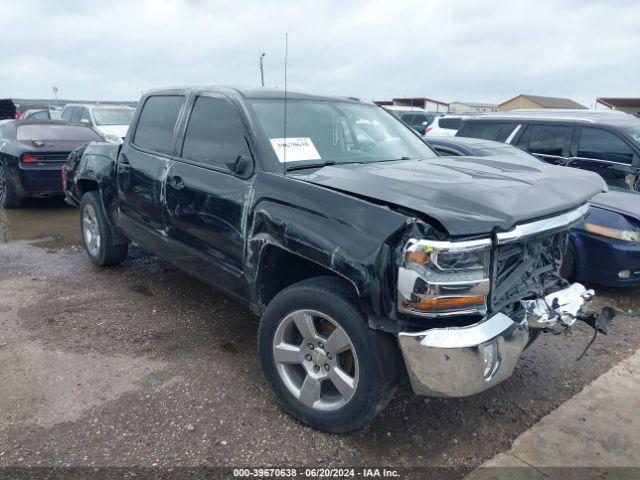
x: 254, y: 93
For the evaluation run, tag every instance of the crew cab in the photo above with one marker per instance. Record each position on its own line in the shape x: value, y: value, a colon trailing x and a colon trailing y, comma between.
x: 368, y: 258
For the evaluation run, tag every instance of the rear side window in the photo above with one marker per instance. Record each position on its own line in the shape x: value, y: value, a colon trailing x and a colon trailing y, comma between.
x: 497, y: 131
x: 156, y: 124
x: 214, y: 134
x: 420, y: 119
x: 450, y: 123
x: 547, y: 139
x: 407, y: 118
x: 66, y: 114
x: 41, y: 115
x: 603, y: 145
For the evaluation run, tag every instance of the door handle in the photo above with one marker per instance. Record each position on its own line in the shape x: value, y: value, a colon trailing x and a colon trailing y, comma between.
x: 176, y: 182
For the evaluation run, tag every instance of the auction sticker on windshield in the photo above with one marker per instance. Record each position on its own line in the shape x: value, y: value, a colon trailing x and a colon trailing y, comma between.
x: 294, y: 149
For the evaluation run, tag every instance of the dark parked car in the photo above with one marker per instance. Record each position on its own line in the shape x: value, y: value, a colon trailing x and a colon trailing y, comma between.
x: 607, y: 143
x: 605, y: 245
x: 366, y: 255
x: 7, y: 109
x: 32, y: 153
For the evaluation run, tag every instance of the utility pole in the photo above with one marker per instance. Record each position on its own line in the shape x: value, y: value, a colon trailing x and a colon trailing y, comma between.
x: 55, y: 94
x: 262, y: 68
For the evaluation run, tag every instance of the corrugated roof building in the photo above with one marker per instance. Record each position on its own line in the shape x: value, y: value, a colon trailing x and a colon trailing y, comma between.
x: 537, y: 101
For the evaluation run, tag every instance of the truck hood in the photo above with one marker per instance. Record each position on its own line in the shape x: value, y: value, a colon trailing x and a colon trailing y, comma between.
x: 469, y: 195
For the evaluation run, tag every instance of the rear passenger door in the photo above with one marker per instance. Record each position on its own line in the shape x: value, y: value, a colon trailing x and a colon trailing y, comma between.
x: 205, y: 198
x: 608, y: 154
x: 142, y: 168
x: 549, y: 142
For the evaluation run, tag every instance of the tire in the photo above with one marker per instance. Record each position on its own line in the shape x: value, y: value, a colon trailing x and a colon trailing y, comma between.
x: 8, y: 196
x: 355, y: 384
x: 569, y: 261
x: 97, y: 235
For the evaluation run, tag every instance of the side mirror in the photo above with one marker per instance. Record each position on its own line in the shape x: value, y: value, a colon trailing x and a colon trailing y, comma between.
x: 425, y: 124
x: 242, y: 166
x: 85, y: 121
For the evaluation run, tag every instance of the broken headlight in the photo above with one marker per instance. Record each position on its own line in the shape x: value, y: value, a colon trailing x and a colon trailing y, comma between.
x: 444, y: 278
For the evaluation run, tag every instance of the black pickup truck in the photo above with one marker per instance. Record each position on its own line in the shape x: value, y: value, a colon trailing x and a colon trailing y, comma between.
x: 369, y: 259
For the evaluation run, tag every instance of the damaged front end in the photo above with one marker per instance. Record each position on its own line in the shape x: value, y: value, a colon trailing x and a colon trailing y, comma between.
x: 512, y: 280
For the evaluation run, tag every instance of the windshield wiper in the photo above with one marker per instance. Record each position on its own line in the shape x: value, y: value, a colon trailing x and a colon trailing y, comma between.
x: 311, y: 165
x: 319, y: 165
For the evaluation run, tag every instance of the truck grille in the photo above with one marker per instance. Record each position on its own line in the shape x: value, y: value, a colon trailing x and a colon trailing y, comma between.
x: 529, y: 268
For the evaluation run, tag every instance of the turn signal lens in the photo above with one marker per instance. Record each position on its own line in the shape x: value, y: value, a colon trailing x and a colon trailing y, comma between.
x: 30, y: 159
x: 447, y: 303
x: 626, y: 235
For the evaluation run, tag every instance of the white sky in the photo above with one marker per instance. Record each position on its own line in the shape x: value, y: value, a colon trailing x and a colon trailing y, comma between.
x: 485, y: 51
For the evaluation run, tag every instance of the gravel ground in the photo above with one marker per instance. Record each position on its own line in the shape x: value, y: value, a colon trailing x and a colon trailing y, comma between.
x: 143, y: 365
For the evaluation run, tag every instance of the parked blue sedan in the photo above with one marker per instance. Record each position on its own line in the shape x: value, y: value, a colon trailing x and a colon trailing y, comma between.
x: 605, y: 245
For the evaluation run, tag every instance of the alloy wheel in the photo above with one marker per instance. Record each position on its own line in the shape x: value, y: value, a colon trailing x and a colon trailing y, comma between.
x: 90, y: 230
x: 316, y: 360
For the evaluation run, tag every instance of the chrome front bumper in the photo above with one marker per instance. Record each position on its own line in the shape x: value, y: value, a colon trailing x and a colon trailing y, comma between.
x: 462, y: 361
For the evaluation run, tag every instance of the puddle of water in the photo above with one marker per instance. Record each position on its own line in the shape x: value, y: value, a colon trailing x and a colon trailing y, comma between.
x: 49, y: 222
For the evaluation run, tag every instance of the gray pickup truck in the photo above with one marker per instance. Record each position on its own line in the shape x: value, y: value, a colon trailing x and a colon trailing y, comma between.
x: 369, y: 259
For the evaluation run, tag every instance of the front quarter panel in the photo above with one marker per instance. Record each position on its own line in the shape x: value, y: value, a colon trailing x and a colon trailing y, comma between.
x: 351, y: 237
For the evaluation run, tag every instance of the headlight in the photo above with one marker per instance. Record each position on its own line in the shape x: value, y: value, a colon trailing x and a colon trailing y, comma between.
x: 611, y: 225
x: 444, y: 278
x: 113, y: 138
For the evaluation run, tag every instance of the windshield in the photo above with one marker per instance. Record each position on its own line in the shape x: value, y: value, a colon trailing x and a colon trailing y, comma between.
x: 56, y: 132
x: 113, y: 116
x: 319, y: 132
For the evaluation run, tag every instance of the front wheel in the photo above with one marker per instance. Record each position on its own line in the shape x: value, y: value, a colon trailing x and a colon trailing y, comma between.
x: 326, y: 366
x: 97, y: 235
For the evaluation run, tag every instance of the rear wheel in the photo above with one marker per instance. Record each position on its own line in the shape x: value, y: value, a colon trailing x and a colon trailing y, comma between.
x: 97, y: 235
x: 8, y: 196
x: 325, y: 365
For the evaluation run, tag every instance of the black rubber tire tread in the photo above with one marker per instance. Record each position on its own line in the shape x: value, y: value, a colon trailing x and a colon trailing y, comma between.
x: 377, y: 353
x: 109, y: 252
x: 10, y: 198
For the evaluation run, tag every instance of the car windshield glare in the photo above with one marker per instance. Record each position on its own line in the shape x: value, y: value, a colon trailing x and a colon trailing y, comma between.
x: 319, y: 132
x: 113, y: 116
x: 634, y: 132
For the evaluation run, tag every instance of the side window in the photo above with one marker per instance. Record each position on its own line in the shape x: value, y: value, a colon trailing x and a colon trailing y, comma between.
x: 407, y: 118
x: 547, y: 139
x: 214, y: 135
x: 419, y: 119
x: 498, y: 131
x: 84, y: 116
x: 157, y: 121
x: 603, y: 145
x: 42, y: 115
x: 75, y: 114
x: 66, y: 114
x: 450, y: 123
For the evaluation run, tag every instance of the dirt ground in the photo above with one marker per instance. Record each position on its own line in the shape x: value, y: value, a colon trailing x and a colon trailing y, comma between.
x: 143, y: 365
